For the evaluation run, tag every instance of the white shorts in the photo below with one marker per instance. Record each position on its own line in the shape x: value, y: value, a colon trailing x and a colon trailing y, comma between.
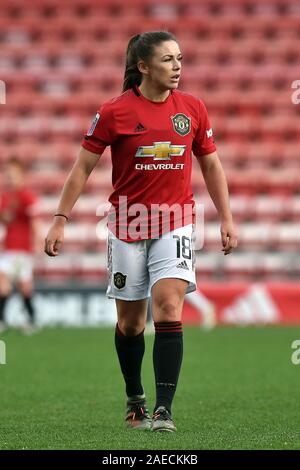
x: 17, y: 265
x: 133, y: 268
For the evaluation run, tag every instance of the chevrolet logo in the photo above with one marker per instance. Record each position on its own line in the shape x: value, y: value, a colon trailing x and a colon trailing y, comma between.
x: 160, y: 151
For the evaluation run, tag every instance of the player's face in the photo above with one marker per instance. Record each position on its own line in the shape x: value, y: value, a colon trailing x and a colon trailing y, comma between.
x: 165, y: 65
x: 14, y: 176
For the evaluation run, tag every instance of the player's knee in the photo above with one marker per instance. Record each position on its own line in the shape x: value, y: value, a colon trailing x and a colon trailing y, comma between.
x: 167, y: 311
x: 130, y: 329
x: 5, y: 287
x: 5, y: 292
x: 25, y: 289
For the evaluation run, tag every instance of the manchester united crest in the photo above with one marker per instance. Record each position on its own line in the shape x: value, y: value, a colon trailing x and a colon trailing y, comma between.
x: 119, y: 280
x: 181, y: 124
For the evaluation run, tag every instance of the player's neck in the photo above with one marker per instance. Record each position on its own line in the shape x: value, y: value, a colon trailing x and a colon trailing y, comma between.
x: 152, y: 93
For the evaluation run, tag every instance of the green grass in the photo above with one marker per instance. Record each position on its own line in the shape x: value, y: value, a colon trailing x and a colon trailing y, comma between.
x: 62, y: 389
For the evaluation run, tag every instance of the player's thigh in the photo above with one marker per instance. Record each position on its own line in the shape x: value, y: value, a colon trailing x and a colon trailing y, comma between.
x: 25, y: 275
x: 132, y: 316
x: 128, y: 277
x: 5, y: 284
x: 167, y: 299
x: 6, y: 274
x: 172, y: 272
x: 172, y: 256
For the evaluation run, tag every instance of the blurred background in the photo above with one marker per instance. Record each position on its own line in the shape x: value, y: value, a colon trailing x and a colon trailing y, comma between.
x: 60, y: 59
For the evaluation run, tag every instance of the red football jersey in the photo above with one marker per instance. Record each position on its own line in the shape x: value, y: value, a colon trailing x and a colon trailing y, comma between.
x: 18, y: 206
x: 151, y: 150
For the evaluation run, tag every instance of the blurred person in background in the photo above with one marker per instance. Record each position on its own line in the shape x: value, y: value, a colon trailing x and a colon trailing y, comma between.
x: 21, y: 240
x: 152, y: 129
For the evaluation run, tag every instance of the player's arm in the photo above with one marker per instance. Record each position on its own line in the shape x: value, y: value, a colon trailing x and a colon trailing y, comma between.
x: 6, y: 214
x: 4, y: 217
x: 217, y: 187
x: 35, y: 224
x: 73, y: 187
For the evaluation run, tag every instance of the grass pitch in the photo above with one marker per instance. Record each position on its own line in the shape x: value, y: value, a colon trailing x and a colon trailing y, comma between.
x: 62, y: 389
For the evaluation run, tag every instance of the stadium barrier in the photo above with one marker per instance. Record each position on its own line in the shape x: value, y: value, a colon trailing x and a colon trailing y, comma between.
x: 251, y: 303
x: 235, y: 304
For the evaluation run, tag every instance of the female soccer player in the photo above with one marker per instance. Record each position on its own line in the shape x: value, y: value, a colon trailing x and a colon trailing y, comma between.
x: 152, y: 129
x: 18, y: 214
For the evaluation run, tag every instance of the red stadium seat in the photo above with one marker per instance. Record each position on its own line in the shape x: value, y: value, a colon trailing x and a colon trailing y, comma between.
x: 242, y: 266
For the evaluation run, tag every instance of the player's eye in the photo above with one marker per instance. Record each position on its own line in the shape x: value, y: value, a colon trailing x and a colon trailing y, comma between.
x: 170, y: 58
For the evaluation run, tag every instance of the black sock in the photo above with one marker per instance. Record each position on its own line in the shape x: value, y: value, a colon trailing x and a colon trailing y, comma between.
x: 167, y: 359
x: 29, y: 307
x: 130, y: 351
x: 3, y: 301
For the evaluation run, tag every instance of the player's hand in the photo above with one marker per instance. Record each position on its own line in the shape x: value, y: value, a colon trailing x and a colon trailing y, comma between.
x: 54, y: 238
x: 229, y: 236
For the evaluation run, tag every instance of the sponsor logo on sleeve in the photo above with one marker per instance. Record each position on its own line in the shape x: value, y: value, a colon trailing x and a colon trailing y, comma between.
x: 94, y: 124
x: 209, y: 133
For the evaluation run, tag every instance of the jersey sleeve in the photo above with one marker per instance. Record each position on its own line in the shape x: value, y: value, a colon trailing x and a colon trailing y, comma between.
x: 30, y: 202
x: 2, y: 206
x: 101, y: 132
x: 203, y: 142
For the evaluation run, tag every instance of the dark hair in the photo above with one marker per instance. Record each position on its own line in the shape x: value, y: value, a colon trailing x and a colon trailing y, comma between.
x: 140, y: 47
x: 15, y: 161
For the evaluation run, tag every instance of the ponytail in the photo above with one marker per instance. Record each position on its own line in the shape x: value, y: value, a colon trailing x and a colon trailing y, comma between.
x: 140, y: 47
x: 132, y: 75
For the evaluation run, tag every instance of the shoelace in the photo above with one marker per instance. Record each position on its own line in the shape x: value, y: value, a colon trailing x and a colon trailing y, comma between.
x: 140, y: 411
x: 163, y: 415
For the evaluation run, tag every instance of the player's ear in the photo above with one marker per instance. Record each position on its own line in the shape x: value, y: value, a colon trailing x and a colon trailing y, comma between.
x: 143, y: 67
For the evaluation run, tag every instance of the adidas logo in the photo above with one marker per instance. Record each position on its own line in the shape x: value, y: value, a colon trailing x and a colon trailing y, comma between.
x: 182, y: 265
x: 139, y: 127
